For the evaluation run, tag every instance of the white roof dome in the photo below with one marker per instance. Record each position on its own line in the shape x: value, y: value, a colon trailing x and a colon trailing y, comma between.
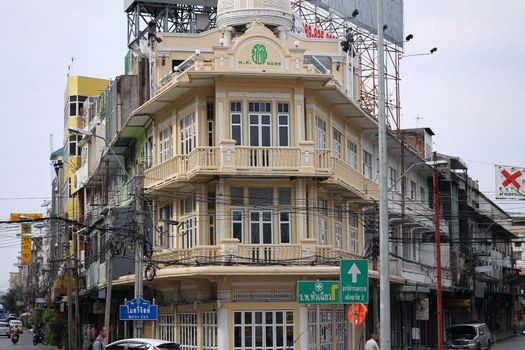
x: 242, y: 12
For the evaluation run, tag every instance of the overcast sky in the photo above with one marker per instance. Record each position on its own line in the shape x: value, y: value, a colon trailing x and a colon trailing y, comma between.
x: 469, y: 92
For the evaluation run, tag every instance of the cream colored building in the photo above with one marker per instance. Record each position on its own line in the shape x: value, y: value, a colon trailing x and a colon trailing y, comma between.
x: 255, y: 145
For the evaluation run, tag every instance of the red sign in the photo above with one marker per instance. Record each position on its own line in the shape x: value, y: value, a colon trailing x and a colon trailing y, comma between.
x: 357, y: 314
x: 511, y: 178
x: 316, y: 33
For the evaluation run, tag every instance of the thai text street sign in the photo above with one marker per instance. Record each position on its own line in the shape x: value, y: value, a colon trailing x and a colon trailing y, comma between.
x: 354, y: 281
x: 138, y: 309
x: 318, y: 292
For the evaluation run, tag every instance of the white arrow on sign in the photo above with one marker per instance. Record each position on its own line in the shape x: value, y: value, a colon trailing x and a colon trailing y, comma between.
x: 354, y: 271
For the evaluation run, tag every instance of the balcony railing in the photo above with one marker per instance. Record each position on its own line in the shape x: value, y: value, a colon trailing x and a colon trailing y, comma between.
x: 350, y: 177
x: 232, y: 252
x: 269, y: 252
x: 269, y: 158
x: 230, y: 159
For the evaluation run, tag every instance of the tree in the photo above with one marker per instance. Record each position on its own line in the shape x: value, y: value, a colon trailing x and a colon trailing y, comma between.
x: 9, y: 301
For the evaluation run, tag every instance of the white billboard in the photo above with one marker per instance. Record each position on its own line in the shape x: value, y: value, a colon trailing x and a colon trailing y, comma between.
x: 510, y: 182
x: 367, y: 17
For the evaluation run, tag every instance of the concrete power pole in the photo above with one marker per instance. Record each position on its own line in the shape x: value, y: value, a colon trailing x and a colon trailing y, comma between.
x: 438, y: 262
x: 109, y: 274
x: 384, y: 245
x: 70, y: 320
x: 139, y: 248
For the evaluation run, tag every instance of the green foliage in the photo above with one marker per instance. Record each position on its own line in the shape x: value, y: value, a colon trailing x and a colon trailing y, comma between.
x: 55, y: 328
x: 9, y: 302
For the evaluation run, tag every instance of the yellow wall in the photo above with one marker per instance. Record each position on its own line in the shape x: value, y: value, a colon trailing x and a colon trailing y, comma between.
x: 84, y: 86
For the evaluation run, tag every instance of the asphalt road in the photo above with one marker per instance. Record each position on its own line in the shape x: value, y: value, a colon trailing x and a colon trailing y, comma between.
x: 514, y: 343
x: 25, y: 343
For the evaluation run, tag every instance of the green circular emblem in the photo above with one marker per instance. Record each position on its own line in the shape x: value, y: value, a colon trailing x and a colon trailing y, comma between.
x: 259, y: 54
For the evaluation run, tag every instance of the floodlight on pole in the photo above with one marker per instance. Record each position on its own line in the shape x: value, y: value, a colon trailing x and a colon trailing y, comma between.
x: 88, y: 134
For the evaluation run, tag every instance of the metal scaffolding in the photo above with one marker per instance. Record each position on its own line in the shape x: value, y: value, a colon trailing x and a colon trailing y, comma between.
x: 366, y: 48
x: 170, y: 17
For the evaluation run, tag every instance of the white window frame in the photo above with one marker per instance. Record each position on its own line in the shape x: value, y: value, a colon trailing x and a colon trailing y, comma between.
x: 285, y: 222
x: 327, y: 324
x: 260, y: 125
x: 320, y: 127
x: 392, y: 176
x: 337, y: 146
x: 322, y: 226
x: 188, y: 330
x: 209, y: 330
x: 210, y: 123
x: 413, y: 190
x: 261, y: 223
x: 188, y: 231
x: 367, y: 164
x: 255, y: 326
x: 239, y: 124
x: 212, y: 240
x: 167, y: 327
x: 241, y: 239
x: 188, y: 134
x: 279, y: 125
x: 353, y: 235
x: 351, y: 156
x: 165, y: 137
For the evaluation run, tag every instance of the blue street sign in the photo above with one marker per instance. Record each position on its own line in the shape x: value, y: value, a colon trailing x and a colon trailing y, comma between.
x: 138, y: 310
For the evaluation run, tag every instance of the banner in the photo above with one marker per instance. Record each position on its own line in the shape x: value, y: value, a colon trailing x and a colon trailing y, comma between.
x: 510, y: 182
x: 422, y: 309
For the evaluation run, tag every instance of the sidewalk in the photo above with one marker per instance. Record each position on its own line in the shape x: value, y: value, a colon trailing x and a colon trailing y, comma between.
x: 502, y: 335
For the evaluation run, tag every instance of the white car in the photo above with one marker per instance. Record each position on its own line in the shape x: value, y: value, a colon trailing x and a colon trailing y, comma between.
x: 142, y: 344
x: 4, y: 329
x: 17, y: 324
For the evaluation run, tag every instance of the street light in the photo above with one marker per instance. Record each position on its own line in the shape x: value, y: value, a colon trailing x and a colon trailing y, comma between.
x: 88, y: 134
x: 432, y: 163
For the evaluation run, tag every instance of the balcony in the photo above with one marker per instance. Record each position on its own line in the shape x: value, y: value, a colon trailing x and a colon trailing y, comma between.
x: 81, y: 176
x: 347, y: 178
x: 228, y: 159
x: 231, y: 252
x: 416, y: 210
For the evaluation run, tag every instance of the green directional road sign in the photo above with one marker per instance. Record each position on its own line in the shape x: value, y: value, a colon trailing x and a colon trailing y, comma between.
x: 318, y: 292
x: 354, y: 281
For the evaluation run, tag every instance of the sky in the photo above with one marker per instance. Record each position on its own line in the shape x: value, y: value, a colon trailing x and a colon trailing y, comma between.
x: 468, y: 92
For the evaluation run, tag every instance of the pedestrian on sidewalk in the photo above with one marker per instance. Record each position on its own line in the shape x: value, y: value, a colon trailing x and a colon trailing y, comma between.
x: 373, y: 342
x: 102, y: 333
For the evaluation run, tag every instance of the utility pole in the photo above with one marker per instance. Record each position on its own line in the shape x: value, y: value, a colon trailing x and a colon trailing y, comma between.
x: 77, y: 289
x: 70, y: 321
x: 438, y: 262
x: 109, y: 276
x: 384, y: 245
x: 139, y: 237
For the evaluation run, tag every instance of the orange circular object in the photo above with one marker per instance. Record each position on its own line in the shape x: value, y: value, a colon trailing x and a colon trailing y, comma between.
x: 357, y: 314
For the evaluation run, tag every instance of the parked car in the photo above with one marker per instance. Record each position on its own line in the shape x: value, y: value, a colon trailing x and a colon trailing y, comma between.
x: 17, y: 324
x: 4, y: 329
x: 475, y: 336
x: 142, y: 344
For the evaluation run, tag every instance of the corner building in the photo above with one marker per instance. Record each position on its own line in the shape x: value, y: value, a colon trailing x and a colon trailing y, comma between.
x: 253, y: 144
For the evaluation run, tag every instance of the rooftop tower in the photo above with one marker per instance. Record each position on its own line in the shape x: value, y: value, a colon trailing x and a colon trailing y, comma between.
x: 241, y: 12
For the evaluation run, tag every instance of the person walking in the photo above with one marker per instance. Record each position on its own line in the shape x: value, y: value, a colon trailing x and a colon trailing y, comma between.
x: 102, y: 333
x: 373, y: 342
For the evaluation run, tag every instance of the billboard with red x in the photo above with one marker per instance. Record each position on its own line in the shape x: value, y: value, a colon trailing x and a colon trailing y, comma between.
x: 510, y: 182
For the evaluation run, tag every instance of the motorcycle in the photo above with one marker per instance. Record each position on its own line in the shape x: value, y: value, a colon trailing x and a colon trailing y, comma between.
x: 15, y: 337
x: 38, y: 338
